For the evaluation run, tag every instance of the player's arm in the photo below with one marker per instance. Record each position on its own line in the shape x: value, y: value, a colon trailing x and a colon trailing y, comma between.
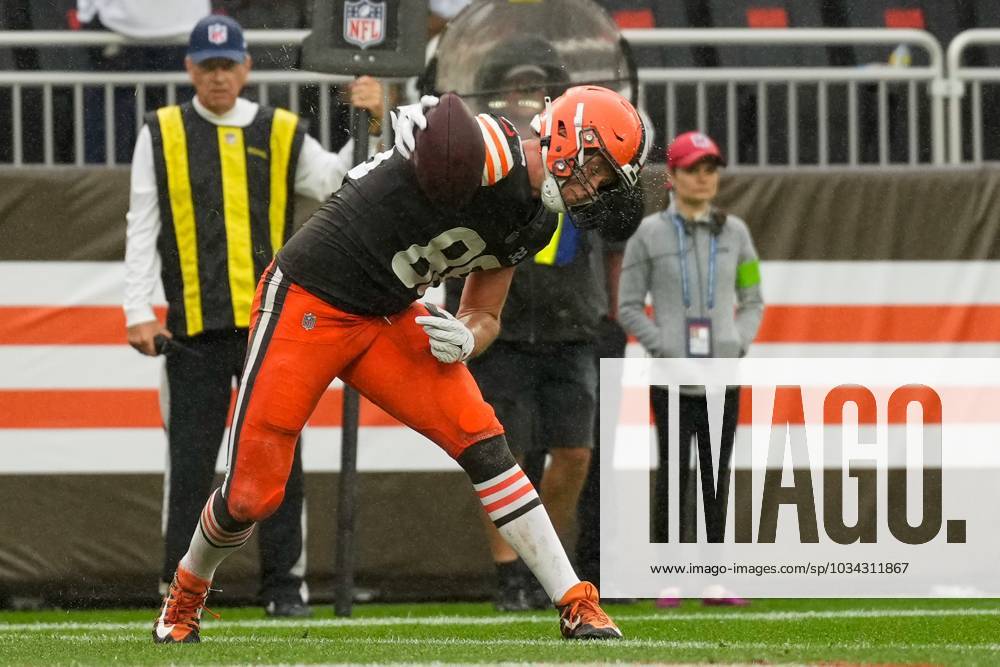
x: 482, y: 301
x: 453, y: 152
x: 478, y: 323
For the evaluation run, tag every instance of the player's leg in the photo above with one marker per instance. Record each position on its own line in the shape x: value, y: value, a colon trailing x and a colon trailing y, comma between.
x: 568, y: 399
x: 506, y: 379
x: 442, y: 402
x: 297, y: 346
x: 610, y: 344
x: 565, y: 405
x: 281, y: 537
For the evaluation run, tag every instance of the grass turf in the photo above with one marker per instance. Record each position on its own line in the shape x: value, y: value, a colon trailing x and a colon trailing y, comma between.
x: 951, y: 632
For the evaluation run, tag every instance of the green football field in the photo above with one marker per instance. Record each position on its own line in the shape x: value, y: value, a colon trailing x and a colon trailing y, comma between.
x: 952, y: 632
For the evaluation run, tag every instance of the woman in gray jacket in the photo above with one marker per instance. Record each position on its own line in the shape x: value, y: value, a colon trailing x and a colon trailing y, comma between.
x: 700, y: 268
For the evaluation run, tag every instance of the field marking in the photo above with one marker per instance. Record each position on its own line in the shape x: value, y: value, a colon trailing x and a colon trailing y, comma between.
x: 560, y: 643
x: 513, y: 619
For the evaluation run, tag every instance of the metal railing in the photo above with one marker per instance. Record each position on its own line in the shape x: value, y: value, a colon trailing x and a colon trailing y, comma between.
x: 961, y: 78
x: 792, y: 79
x: 261, y: 87
x: 264, y: 85
x: 855, y: 85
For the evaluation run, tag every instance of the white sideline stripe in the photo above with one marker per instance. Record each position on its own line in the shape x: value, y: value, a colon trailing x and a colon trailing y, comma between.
x: 66, y: 284
x: 866, y: 350
x: 856, y: 350
x: 880, y: 282
x: 515, y: 619
x: 82, y: 367
x: 783, y: 282
x: 77, y: 367
x: 130, y: 450
x: 620, y: 643
x: 121, y: 367
x: 381, y: 449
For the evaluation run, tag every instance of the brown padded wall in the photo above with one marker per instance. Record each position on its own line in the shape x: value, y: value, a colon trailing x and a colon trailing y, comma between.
x: 96, y: 538
x: 78, y: 214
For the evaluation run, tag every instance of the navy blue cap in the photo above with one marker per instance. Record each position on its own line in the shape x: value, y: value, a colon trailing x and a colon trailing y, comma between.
x: 217, y: 36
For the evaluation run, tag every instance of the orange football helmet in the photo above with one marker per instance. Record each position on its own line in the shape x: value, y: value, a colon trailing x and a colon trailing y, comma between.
x: 583, y: 122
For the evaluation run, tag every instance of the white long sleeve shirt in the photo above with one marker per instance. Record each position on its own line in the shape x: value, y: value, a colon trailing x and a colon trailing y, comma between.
x: 318, y: 173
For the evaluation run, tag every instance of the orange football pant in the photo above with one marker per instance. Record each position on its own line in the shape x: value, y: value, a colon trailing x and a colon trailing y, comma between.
x: 298, y: 345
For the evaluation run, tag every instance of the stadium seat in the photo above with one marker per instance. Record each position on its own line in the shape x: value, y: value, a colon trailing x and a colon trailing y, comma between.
x: 58, y: 15
x: 652, y: 14
x: 986, y: 13
x: 770, y: 14
x: 941, y: 18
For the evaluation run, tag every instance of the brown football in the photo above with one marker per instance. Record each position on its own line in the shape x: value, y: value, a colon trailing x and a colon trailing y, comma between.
x: 449, y: 154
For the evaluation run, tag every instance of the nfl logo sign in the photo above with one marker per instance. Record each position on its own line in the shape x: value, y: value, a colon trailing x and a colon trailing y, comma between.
x: 218, y: 33
x: 364, y: 23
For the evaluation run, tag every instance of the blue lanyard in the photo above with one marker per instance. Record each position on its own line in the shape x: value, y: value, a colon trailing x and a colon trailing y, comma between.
x: 713, y: 249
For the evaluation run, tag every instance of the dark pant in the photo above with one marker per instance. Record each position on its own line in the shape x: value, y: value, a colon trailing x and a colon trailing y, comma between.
x: 693, y: 421
x: 609, y: 344
x: 199, y: 392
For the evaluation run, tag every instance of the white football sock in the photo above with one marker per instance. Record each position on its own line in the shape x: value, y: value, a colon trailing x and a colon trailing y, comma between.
x: 515, y: 508
x: 211, y: 544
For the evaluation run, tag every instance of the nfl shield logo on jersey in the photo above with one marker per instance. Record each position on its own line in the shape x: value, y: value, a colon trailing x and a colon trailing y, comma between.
x: 364, y: 23
x: 309, y: 321
x: 218, y: 33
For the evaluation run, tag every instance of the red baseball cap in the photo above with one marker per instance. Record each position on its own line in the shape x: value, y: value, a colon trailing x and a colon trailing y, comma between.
x: 691, y: 147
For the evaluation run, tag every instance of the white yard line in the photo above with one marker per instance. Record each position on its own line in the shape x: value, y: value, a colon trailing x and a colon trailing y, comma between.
x: 388, y: 621
x: 561, y: 643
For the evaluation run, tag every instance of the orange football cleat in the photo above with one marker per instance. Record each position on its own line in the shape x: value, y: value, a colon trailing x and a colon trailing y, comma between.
x: 581, y: 617
x: 180, y: 617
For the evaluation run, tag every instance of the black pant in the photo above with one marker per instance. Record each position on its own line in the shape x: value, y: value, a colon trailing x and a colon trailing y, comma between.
x: 693, y: 420
x: 609, y: 344
x: 199, y: 386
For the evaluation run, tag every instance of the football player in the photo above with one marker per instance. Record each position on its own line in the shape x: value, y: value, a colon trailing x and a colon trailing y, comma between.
x: 340, y: 300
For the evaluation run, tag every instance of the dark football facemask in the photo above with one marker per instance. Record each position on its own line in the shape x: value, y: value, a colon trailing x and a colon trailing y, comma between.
x: 615, y: 213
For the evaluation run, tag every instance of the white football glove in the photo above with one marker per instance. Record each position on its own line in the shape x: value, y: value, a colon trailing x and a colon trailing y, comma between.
x: 451, y: 340
x: 409, y: 118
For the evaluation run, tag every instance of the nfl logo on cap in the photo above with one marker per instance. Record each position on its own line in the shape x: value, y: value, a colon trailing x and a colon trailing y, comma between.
x: 218, y: 33
x: 701, y: 141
